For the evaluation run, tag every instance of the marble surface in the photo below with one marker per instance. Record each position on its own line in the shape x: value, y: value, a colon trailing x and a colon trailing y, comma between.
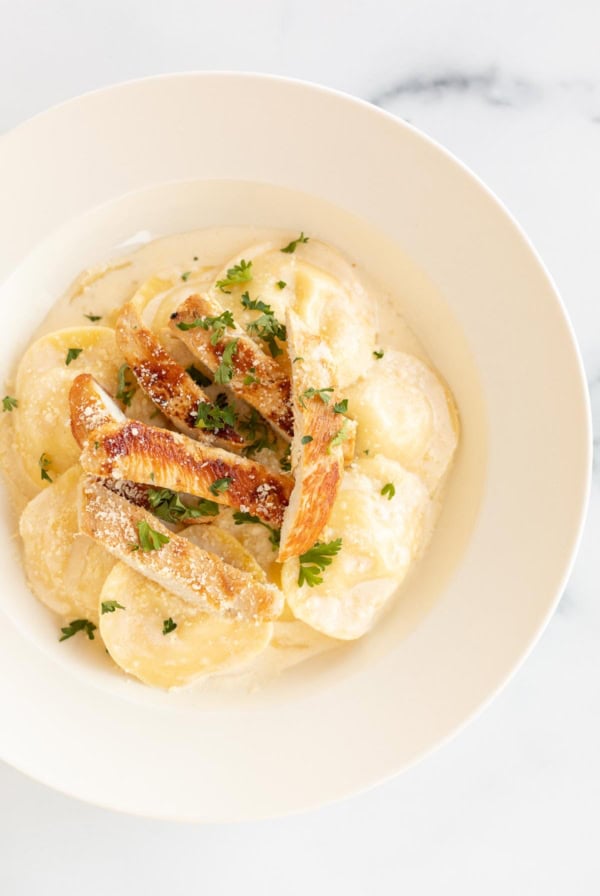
x: 511, y: 804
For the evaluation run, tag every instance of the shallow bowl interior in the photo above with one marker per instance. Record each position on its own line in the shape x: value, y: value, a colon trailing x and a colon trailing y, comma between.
x: 165, y: 155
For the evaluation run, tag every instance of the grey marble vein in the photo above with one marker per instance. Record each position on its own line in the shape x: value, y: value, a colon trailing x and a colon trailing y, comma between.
x: 487, y: 84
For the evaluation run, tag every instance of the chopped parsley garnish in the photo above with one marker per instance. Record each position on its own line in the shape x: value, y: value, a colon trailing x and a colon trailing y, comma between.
x: 285, y: 461
x: 213, y: 417
x: 315, y: 560
x: 389, y: 489
x: 217, y: 324
x: 126, y: 387
x: 251, y: 377
x: 315, y: 393
x: 186, y: 275
x: 225, y: 370
x: 239, y: 273
x: 72, y: 355
x: 341, y: 407
x: 258, y: 432
x: 149, y: 538
x: 168, y: 506
x: 281, y: 284
x: 195, y: 258
x: 379, y: 355
x: 220, y: 485
x: 266, y: 327
x: 306, y: 439
x: 291, y: 247
x: 8, y: 403
x: 44, y: 465
x: 240, y: 517
x: 297, y: 358
x: 109, y: 606
x: 341, y: 435
x: 168, y: 626
x: 78, y: 625
x: 93, y: 317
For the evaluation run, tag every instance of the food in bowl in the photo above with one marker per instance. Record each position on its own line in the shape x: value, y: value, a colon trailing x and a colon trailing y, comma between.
x: 227, y: 465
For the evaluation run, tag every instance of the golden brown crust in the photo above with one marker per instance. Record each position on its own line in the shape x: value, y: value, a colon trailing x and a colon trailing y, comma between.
x: 270, y: 394
x: 131, y: 450
x: 317, y: 461
x: 196, y: 576
x: 91, y: 408
x: 164, y: 380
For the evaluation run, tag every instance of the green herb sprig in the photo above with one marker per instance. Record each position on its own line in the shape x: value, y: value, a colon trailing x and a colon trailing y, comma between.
x: 239, y: 273
x: 72, y: 355
x: 291, y: 247
x: 266, y: 326
x: 225, y: 370
x: 149, y: 538
x: 315, y: 560
x: 167, y: 505
x: 126, y: 387
x: 78, y: 625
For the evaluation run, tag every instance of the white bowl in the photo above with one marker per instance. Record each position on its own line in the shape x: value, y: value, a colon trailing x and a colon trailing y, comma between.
x: 168, y: 154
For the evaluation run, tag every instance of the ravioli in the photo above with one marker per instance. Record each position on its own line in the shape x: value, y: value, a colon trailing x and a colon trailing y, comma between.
x: 380, y: 538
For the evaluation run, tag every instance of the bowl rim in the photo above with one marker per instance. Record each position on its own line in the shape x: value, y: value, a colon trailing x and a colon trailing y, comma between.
x: 570, y: 555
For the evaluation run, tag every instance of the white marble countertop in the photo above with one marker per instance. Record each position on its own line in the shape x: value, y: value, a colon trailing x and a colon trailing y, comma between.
x: 510, y: 805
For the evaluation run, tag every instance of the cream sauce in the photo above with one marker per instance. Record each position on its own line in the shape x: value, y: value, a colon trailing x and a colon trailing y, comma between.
x: 100, y: 291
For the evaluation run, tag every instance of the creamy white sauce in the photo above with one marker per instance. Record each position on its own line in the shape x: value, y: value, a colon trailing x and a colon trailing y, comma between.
x: 100, y: 291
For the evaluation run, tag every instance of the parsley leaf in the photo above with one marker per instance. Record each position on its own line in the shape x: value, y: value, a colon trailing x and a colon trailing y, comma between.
x: 93, y: 317
x: 379, y: 355
x: 126, y: 387
x: 341, y: 435
x: 220, y: 485
x: 258, y: 432
x: 266, y: 327
x: 44, y: 464
x: 241, y: 517
x: 239, y: 273
x: 167, y: 505
x: 314, y: 561
x: 78, y: 625
x: 315, y: 393
x: 281, y: 284
x: 213, y: 417
x: 168, y: 626
x: 8, y: 403
x: 291, y: 247
x: 285, y: 461
x: 198, y: 377
x: 109, y: 606
x: 306, y: 439
x: 217, y: 324
x: 150, y: 539
x: 341, y: 407
x: 389, y: 489
x: 225, y: 370
x: 72, y: 355
x: 251, y: 377
x: 186, y: 275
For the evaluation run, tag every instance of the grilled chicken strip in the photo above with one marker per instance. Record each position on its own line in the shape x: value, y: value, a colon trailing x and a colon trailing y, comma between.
x: 194, y: 575
x: 319, y: 435
x: 165, y: 382
x: 257, y: 378
x: 117, y: 448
